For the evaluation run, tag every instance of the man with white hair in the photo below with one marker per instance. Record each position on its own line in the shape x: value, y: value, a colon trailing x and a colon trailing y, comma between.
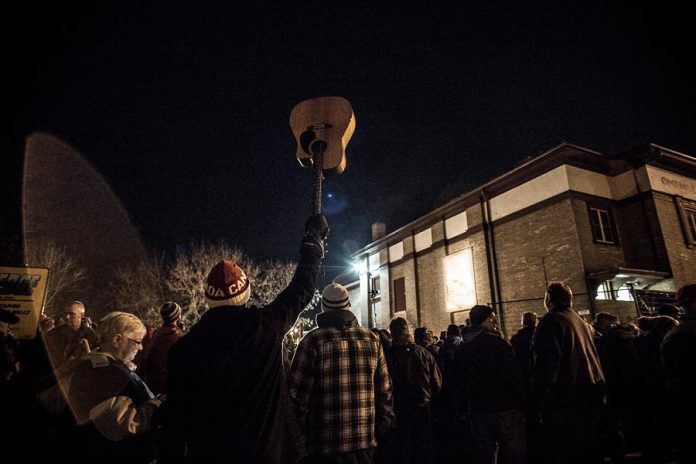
x: 340, y: 384
x: 112, y: 405
x: 72, y: 339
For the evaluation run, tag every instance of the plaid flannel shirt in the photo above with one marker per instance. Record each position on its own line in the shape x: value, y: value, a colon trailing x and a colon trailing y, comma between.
x: 340, y: 385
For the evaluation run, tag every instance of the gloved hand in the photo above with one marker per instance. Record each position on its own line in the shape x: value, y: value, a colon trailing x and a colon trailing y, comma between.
x: 317, y: 225
x: 316, y: 230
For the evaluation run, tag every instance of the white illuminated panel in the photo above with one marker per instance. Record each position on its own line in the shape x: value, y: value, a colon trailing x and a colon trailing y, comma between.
x: 530, y: 193
x: 456, y: 225
x: 460, y: 288
x: 396, y: 252
x: 565, y: 178
x: 424, y: 239
x: 360, y: 266
x: 374, y: 262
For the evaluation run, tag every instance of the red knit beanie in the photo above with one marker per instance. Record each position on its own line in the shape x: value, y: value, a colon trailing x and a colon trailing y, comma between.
x: 227, y: 285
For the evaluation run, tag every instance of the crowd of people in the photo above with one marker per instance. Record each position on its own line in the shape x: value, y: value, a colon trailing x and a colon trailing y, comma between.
x: 561, y: 390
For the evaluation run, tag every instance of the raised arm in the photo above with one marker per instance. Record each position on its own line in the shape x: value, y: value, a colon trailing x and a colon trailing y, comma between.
x: 283, y: 311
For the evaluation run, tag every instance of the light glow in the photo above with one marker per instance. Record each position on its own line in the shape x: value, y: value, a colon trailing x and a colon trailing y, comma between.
x: 460, y: 286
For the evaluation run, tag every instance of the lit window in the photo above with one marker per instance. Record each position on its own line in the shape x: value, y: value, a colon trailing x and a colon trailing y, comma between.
x: 602, y: 226
x: 374, y: 289
x: 624, y: 293
x: 604, y: 291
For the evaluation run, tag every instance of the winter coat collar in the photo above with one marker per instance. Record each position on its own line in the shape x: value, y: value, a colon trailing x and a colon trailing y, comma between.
x: 338, y: 318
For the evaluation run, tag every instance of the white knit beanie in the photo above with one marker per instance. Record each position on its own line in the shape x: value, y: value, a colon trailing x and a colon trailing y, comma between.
x: 334, y: 296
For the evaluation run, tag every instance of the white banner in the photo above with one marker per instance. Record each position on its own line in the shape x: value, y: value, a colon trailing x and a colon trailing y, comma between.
x: 460, y: 286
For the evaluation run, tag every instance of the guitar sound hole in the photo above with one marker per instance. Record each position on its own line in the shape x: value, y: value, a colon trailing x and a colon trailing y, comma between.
x: 318, y: 146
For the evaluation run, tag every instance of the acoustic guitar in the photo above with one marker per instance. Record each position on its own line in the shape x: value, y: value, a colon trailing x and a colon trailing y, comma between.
x: 322, y: 127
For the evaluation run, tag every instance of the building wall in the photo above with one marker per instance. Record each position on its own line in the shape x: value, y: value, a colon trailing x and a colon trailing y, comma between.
x: 640, y: 235
x: 542, y: 232
x: 597, y: 256
x: 682, y: 258
x: 532, y: 249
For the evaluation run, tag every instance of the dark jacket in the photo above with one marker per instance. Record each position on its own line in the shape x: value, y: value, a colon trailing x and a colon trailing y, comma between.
x: 154, y: 366
x: 679, y: 358
x: 625, y: 374
x: 487, y: 379
x: 227, y: 399
x: 445, y: 355
x: 521, y: 345
x: 566, y: 371
x: 415, y: 378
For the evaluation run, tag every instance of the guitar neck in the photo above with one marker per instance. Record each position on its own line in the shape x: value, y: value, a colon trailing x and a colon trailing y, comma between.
x: 318, y: 161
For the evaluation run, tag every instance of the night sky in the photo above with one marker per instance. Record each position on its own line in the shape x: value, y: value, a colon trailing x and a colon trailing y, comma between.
x: 184, y: 107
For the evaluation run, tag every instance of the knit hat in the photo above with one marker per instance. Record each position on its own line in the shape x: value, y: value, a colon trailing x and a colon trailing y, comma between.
x: 334, y: 296
x: 479, y: 313
x: 227, y: 285
x: 170, y: 312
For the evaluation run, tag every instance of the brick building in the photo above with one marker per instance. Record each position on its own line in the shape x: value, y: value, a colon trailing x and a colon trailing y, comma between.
x: 620, y: 230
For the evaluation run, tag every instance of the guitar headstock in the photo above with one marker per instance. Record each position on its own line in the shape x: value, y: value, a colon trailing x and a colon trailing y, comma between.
x: 323, y: 124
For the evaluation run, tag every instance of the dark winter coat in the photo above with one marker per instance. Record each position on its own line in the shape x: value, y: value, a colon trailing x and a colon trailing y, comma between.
x: 415, y: 378
x: 521, y: 345
x: 227, y: 398
x: 679, y: 358
x: 445, y: 355
x: 566, y: 370
x: 154, y: 366
x: 487, y: 378
x: 624, y: 372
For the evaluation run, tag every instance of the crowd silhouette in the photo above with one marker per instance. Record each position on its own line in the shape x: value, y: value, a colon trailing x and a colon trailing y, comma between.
x: 561, y: 390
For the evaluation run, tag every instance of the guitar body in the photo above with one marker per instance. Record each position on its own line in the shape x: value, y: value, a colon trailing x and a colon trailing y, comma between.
x: 323, y: 124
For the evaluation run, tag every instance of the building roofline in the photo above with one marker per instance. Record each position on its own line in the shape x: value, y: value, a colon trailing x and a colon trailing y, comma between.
x: 647, y: 154
x: 454, y: 206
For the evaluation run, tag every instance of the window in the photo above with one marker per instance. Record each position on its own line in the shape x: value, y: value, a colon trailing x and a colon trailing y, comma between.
x: 400, y: 294
x: 691, y: 221
x: 374, y: 288
x: 687, y: 211
x: 602, y: 225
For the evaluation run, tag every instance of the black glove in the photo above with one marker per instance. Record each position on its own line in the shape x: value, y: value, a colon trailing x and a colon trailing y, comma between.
x: 317, y: 226
x: 316, y: 230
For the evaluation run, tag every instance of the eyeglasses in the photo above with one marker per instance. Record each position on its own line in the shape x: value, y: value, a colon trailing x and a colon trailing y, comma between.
x: 137, y: 342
